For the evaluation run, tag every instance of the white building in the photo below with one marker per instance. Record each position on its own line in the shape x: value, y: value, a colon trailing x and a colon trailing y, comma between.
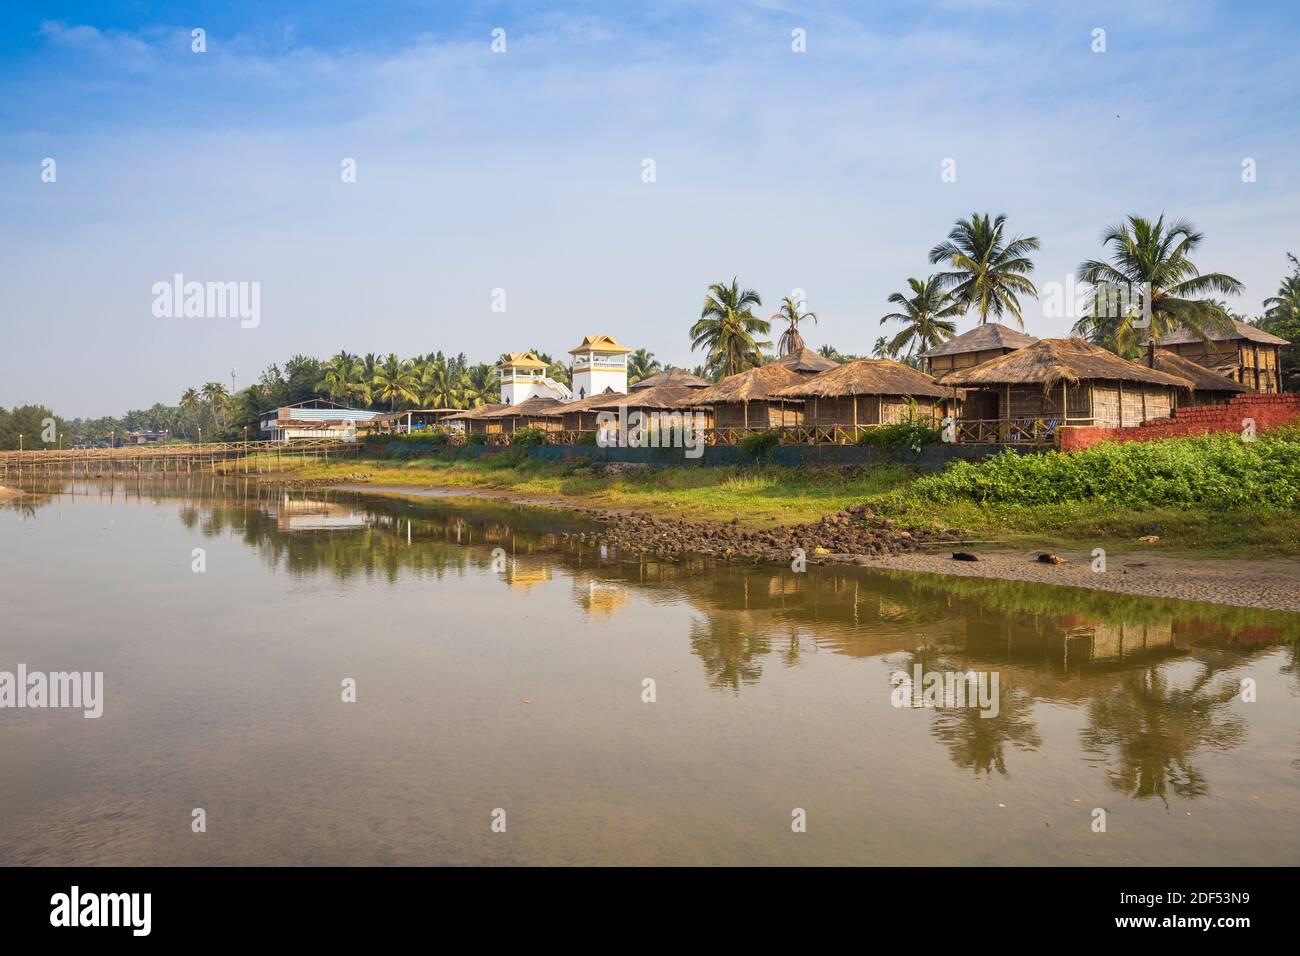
x: 315, y: 418
x: 523, y: 376
x: 599, y: 363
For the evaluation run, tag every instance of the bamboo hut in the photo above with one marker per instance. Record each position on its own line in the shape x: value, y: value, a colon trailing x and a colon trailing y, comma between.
x: 748, y: 399
x: 1244, y: 353
x: 673, y: 376
x: 1066, y: 381
x: 535, y: 412
x: 1208, y: 386
x: 866, y: 392
x: 806, y: 362
x: 476, y: 420
x: 580, y: 416
x: 979, y: 345
x: 648, y: 401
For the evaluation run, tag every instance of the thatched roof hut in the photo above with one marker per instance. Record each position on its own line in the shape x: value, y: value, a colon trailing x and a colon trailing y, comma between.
x: 1209, y: 387
x: 535, y: 412
x: 806, y: 360
x: 1244, y: 353
x: 672, y: 376
x: 580, y: 416
x: 748, y: 399
x: 473, y: 418
x: 1067, y: 381
x: 974, y: 347
x: 866, y: 392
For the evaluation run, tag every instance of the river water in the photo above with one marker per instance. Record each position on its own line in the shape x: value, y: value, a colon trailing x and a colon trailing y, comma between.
x: 503, y: 678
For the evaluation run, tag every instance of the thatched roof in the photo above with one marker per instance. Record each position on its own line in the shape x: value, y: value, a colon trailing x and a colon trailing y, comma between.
x: 522, y: 360
x: 805, y: 360
x: 591, y: 401
x: 535, y: 407
x: 673, y: 376
x: 481, y: 412
x: 982, y: 338
x: 1241, y: 330
x: 755, y: 384
x: 866, y: 377
x: 1050, y: 361
x: 656, y: 396
x: 604, y: 344
x: 1202, y: 378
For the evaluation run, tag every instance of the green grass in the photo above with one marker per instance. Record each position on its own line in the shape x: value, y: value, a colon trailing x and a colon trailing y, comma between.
x: 1206, y: 496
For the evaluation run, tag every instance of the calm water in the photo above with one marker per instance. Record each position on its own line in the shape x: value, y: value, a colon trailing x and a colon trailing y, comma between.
x: 517, y: 684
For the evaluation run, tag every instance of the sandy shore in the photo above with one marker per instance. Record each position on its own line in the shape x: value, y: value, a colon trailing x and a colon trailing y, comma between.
x: 1271, y: 583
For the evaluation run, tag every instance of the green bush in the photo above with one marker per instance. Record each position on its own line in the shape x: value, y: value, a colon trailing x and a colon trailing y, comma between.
x: 586, y: 438
x: 1210, y: 470
x: 528, y: 437
x: 476, y: 438
x: 906, y: 434
x: 759, y: 443
x: 430, y: 436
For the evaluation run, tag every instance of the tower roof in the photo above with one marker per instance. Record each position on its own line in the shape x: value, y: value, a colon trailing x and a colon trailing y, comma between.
x: 605, y: 344
x: 522, y: 360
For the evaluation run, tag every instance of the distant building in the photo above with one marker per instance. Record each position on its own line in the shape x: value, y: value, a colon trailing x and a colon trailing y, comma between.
x: 523, y: 376
x: 984, y: 342
x: 1244, y: 353
x: 599, y: 364
x: 315, y: 418
x: 145, y: 437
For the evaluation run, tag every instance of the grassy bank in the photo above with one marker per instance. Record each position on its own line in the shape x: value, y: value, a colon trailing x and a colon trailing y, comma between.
x: 1205, y: 496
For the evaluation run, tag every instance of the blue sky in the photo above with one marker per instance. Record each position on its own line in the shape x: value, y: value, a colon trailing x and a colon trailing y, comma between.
x: 522, y: 170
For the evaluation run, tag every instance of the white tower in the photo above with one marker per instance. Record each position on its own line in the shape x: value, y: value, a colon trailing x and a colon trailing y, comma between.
x: 523, y: 376
x: 599, y: 363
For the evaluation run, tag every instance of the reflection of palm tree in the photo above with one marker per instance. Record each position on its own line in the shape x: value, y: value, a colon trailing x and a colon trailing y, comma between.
x: 729, y: 651
x: 1147, y: 731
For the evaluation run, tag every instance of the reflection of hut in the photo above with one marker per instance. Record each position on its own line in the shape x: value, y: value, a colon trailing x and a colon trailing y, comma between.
x: 1244, y: 353
x: 866, y: 392
x: 535, y: 412
x: 1067, y: 381
x: 599, y: 597
x: 476, y: 419
x: 1208, y: 386
x: 518, y: 576
x: 984, y: 342
x: 749, y: 399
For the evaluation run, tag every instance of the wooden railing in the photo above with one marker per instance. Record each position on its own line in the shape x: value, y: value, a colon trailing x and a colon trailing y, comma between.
x: 1012, y: 431
x: 163, y: 459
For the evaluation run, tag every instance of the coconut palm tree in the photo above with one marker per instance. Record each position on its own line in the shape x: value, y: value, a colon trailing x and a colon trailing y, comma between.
x: 440, y: 386
x: 1150, y: 261
x: 395, y: 381
x: 727, y: 328
x: 927, y: 316
x: 192, y: 403
x: 481, y: 386
x: 341, y: 379
x: 216, y: 396
x: 641, y: 364
x: 1285, y: 306
x: 789, y: 312
x: 881, y: 348
x: 987, y: 272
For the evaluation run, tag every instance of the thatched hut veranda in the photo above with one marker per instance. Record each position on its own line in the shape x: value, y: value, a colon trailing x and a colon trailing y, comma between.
x: 475, y: 419
x: 535, y: 412
x: 580, y: 416
x: 1024, y: 395
x: 867, y: 392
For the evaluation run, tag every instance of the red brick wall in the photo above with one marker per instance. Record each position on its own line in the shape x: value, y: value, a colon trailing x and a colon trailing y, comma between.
x: 1268, y: 411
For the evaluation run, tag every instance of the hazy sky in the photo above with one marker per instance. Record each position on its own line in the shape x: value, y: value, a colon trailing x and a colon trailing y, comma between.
x: 522, y: 170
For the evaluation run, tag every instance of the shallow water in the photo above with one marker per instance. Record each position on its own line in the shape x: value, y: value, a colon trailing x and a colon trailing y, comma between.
x: 515, y: 681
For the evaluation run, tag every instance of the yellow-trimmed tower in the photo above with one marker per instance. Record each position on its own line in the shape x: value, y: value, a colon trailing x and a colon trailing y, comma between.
x: 599, y: 363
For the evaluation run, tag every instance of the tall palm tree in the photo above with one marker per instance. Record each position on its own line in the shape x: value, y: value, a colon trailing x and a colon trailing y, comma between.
x: 481, y: 386
x: 341, y: 379
x: 216, y: 396
x: 1152, y: 258
x: 791, y: 341
x: 641, y: 364
x: 881, y: 348
x: 727, y: 328
x: 927, y: 316
x: 395, y: 381
x: 987, y: 272
x: 191, y: 403
x: 1285, y: 306
x: 440, y: 386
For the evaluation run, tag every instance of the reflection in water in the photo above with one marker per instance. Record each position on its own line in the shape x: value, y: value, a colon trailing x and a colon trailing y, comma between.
x: 1136, y: 694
